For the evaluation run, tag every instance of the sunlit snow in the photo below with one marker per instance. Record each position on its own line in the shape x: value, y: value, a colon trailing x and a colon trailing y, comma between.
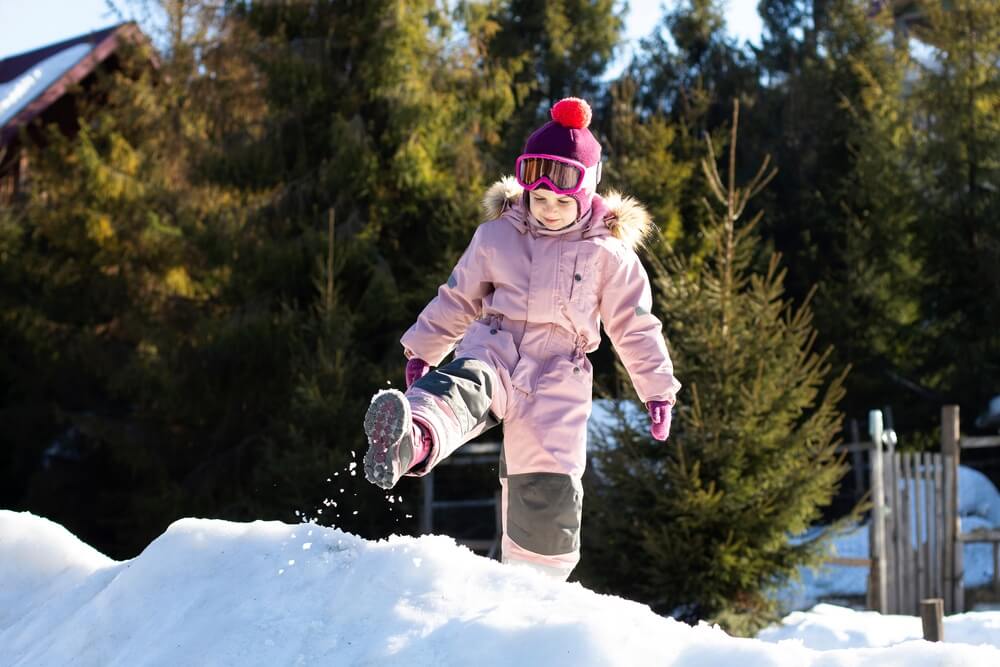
x: 267, y: 593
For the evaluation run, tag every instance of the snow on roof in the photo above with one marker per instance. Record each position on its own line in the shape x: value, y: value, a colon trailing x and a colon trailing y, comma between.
x: 30, y: 82
x: 269, y: 593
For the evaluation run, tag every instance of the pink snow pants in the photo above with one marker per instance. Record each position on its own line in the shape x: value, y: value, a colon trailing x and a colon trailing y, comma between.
x: 536, y: 379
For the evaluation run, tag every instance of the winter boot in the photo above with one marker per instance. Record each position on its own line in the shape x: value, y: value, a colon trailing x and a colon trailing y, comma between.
x: 396, y: 442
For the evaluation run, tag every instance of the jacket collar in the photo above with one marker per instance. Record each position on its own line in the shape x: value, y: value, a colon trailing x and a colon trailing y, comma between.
x: 612, y: 215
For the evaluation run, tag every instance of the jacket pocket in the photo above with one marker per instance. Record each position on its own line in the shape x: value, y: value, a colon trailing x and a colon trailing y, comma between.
x: 560, y: 409
x: 585, y: 281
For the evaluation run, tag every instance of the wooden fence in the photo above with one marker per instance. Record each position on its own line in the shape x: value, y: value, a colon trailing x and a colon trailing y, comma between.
x: 918, y: 549
x: 916, y: 543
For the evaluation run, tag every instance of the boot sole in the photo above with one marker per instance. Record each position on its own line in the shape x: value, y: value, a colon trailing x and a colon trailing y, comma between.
x: 387, y: 425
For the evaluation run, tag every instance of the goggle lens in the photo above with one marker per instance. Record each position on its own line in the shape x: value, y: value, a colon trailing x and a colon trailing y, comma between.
x: 563, y: 176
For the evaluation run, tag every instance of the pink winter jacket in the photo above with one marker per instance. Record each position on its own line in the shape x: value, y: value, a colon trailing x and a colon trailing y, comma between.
x: 577, y: 281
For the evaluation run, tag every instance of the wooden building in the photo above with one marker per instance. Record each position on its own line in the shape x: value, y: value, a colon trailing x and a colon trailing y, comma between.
x: 39, y: 88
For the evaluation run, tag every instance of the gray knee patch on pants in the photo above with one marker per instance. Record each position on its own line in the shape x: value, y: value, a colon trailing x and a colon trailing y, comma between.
x: 543, y: 512
x: 466, y: 385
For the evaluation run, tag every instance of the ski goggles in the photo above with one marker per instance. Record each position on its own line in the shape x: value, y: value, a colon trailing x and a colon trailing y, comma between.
x: 562, y: 175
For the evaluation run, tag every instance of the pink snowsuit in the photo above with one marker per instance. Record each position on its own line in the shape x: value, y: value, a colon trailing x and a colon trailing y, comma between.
x: 524, y: 308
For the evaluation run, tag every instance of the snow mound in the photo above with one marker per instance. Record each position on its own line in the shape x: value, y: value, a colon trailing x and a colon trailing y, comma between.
x: 977, y: 496
x: 40, y: 560
x: 268, y: 593
x: 827, y: 627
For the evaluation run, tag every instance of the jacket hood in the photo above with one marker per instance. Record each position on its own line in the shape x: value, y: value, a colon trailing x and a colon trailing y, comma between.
x: 620, y: 216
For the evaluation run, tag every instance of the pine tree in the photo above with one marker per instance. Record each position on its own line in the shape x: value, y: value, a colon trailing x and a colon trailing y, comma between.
x: 958, y: 157
x: 834, y: 110
x: 548, y: 50
x: 869, y: 300
x: 103, y: 279
x: 643, y: 159
x: 376, y: 116
x: 700, y: 527
x: 228, y: 337
x: 681, y: 74
x: 689, y: 66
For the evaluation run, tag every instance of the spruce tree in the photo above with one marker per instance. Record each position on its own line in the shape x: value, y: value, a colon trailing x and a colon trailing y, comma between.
x: 180, y: 305
x: 644, y: 159
x: 700, y: 527
x: 834, y: 110
x: 104, y: 280
x: 869, y: 300
x: 376, y: 115
x: 679, y: 78
x: 957, y: 153
x: 548, y: 50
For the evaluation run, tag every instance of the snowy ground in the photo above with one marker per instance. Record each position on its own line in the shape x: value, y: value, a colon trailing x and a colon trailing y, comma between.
x: 826, y: 627
x: 221, y: 593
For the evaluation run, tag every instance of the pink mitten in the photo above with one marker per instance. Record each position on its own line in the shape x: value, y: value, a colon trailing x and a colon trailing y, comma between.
x: 416, y: 368
x: 659, y: 415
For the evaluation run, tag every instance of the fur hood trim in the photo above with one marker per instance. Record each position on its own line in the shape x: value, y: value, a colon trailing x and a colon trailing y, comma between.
x: 621, y: 216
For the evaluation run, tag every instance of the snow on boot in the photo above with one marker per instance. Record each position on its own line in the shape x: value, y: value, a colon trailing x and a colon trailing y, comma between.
x: 391, y: 432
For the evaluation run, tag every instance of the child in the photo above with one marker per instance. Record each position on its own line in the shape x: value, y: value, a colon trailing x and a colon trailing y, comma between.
x: 523, y: 305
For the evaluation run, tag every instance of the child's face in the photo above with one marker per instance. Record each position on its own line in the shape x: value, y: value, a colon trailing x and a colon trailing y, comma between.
x: 552, y: 210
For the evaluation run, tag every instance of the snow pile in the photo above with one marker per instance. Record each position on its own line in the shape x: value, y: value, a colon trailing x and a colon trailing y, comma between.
x: 978, y: 498
x: 268, y: 593
x: 991, y: 418
x: 41, y: 560
x: 827, y: 627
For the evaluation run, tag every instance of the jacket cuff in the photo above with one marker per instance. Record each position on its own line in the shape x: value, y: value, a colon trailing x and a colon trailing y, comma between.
x: 669, y: 399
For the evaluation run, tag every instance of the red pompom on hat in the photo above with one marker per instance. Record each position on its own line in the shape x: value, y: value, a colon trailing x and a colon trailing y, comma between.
x: 572, y: 112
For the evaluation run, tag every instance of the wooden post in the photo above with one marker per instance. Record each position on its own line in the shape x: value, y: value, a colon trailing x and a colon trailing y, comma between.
x: 879, y: 580
x: 427, y: 511
x: 908, y: 563
x: 950, y: 430
x: 932, y: 618
x: 898, y: 533
x: 996, y: 568
x: 926, y: 517
x: 918, y: 514
x: 939, y: 531
x: 948, y: 524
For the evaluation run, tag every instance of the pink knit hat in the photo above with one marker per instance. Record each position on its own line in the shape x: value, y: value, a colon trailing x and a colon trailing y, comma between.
x: 566, y: 135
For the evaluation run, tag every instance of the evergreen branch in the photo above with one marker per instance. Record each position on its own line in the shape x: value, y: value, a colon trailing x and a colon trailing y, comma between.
x: 712, y: 174
x: 761, y: 179
x: 732, y: 158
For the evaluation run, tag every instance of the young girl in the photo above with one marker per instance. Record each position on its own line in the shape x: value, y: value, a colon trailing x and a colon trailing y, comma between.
x: 524, y: 305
